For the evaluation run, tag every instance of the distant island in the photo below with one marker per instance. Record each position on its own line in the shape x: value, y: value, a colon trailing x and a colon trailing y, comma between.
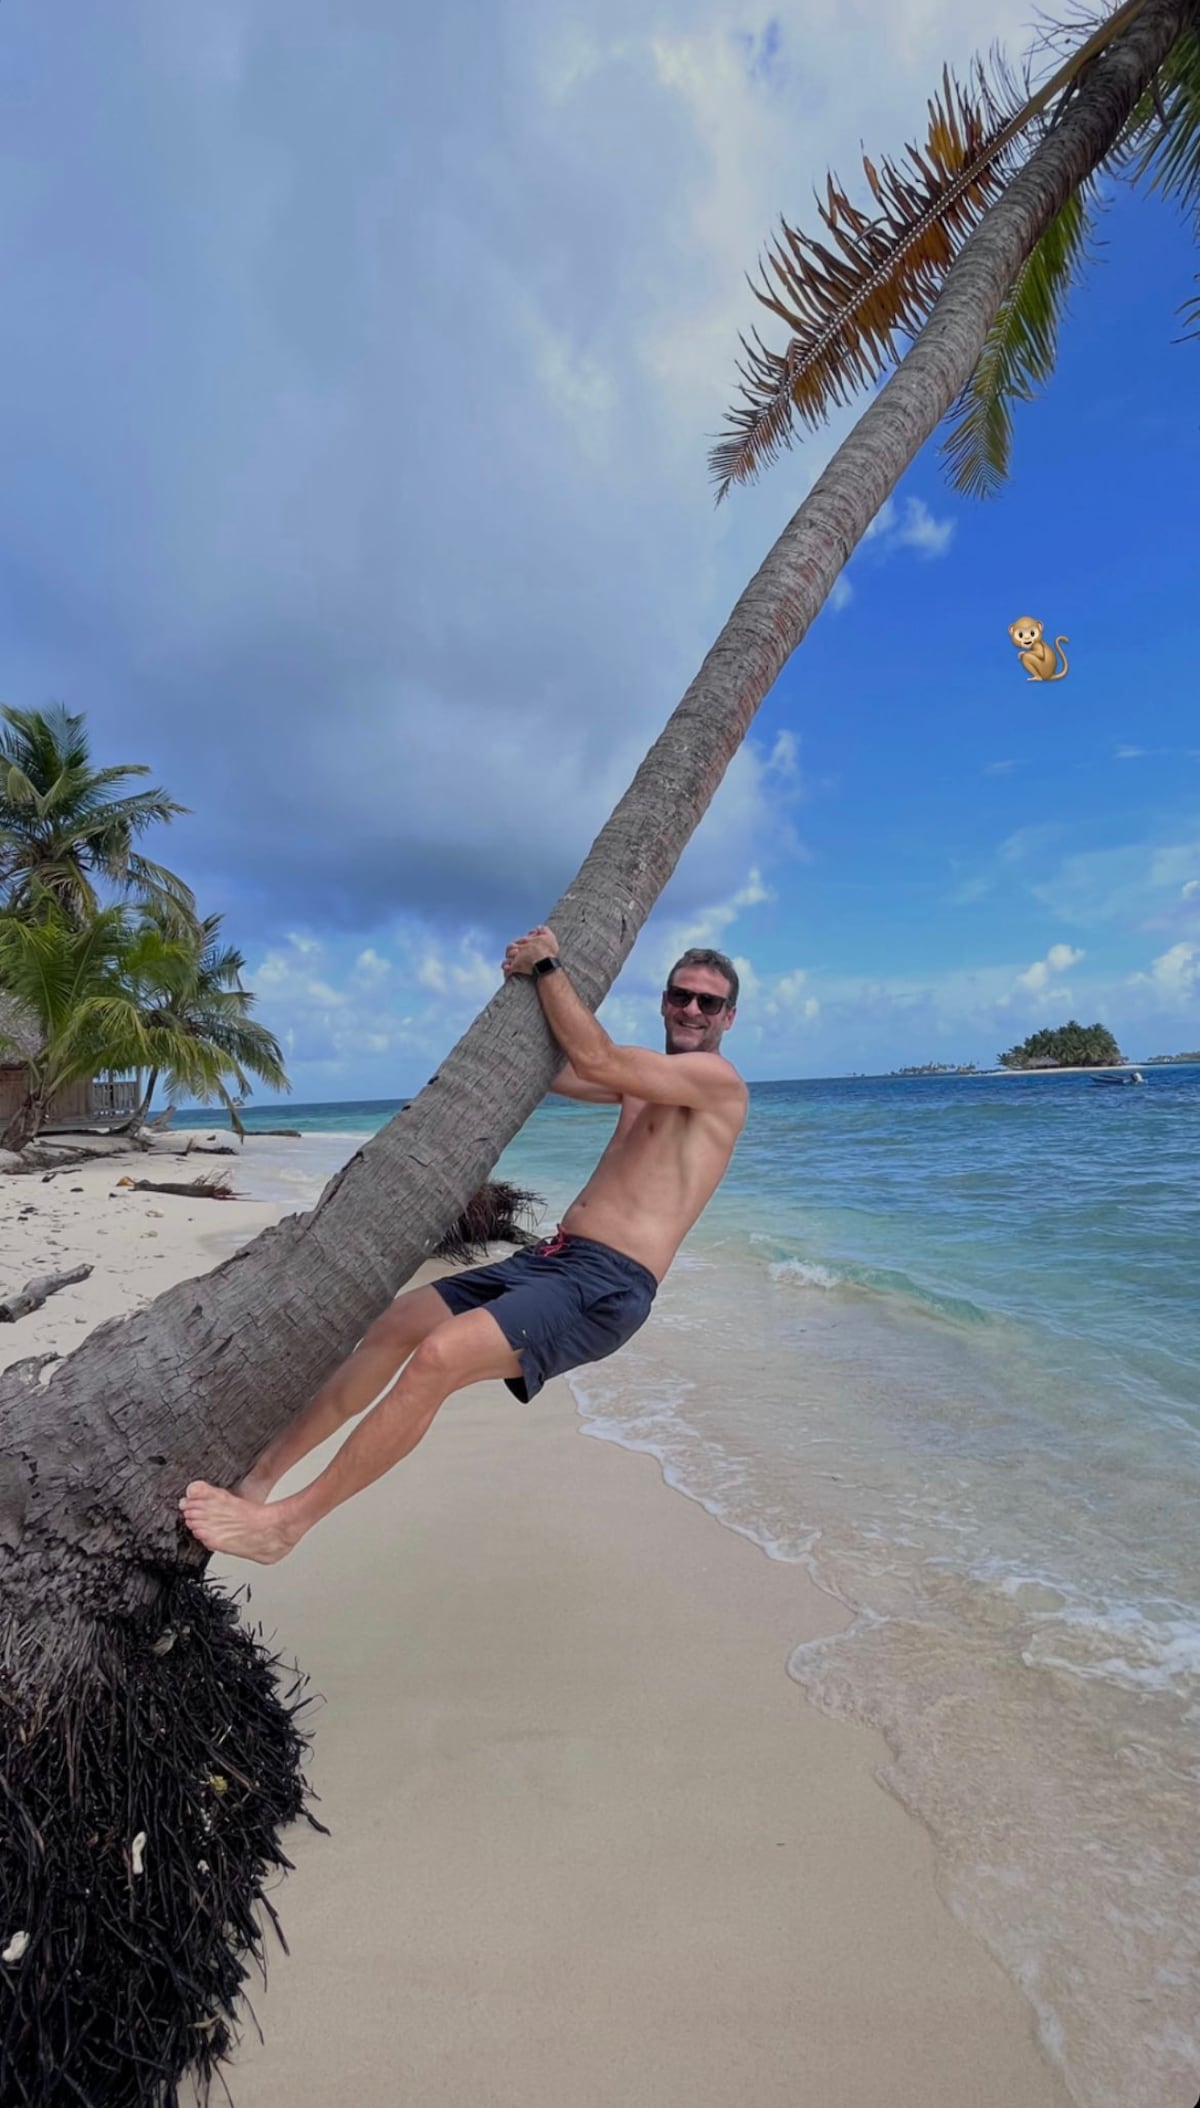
x: 1070, y: 1046
x: 1162, y: 1060
x: 939, y: 1068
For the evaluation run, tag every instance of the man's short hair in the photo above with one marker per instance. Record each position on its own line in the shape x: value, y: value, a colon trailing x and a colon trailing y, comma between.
x: 718, y: 962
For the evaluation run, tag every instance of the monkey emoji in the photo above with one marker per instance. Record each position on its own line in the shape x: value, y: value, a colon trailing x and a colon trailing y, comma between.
x: 1037, y: 657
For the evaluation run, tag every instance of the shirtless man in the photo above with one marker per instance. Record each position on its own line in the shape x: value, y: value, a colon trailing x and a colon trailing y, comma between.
x: 558, y: 1305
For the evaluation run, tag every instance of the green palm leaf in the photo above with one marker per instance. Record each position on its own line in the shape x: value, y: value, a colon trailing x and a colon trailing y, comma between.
x: 1161, y: 140
x: 1018, y: 353
x: 64, y: 825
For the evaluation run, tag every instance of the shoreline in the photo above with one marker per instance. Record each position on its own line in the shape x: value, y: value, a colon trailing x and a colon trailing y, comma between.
x: 560, y: 1746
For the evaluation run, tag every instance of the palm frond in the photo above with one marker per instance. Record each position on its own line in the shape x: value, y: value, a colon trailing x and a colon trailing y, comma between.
x: 154, y: 880
x: 1018, y: 353
x: 1191, y: 308
x: 1161, y: 142
x: 18, y: 788
x: 845, y: 309
x: 1161, y: 138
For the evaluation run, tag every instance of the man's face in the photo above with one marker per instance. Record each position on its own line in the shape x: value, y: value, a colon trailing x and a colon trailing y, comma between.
x: 689, y: 1031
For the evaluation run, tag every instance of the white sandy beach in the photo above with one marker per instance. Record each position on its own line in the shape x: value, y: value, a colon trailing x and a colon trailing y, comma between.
x: 591, y: 1847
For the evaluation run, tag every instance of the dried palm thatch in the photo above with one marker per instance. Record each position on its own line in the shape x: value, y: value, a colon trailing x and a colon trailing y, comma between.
x: 498, y: 1214
x: 846, y: 303
x: 142, y: 1794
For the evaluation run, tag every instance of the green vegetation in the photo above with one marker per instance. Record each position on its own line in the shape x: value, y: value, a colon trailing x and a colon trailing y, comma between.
x: 939, y: 1068
x: 64, y: 824
x: 131, y: 984
x: 1161, y: 1060
x: 1071, y: 1046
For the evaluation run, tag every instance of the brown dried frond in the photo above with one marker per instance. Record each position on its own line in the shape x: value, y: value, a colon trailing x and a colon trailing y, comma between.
x: 499, y: 1213
x: 844, y: 309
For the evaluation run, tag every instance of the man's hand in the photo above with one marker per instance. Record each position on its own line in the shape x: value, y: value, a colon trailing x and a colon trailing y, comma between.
x: 523, y: 956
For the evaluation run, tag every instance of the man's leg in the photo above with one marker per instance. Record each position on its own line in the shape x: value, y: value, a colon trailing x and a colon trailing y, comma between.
x: 360, y: 1381
x: 463, y: 1350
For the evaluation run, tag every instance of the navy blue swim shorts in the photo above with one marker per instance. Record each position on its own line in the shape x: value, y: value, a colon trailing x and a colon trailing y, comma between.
x: 559, y: 1304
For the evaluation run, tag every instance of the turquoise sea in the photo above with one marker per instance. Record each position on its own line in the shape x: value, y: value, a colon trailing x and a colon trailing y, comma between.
x: 937, y: 1339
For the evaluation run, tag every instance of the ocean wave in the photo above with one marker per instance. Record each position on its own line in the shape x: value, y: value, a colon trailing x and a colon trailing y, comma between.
x: 1121, y: 1644
x: 882, y: 1282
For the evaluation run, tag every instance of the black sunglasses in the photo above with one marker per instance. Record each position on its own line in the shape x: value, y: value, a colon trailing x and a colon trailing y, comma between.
x: 679, y: 998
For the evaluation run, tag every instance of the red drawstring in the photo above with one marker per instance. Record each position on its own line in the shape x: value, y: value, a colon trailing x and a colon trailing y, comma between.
x: 553, y: 1244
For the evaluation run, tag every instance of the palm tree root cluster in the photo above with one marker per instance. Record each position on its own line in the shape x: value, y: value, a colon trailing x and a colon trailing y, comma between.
x: 498, y: 1214
x: 145, y: 1777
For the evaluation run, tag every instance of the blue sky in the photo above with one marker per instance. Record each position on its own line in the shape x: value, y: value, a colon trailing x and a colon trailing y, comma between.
x: 359, y: 380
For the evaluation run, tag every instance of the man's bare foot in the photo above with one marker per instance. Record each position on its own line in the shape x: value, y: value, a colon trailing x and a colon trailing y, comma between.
x: 226, y: 1523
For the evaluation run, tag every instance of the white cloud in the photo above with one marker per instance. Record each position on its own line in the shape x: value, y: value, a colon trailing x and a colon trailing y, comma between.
x: 842, y: 594
x: 788, y: 987
x: 1058, y: 960
x: 469, y: 976
x: 1190, y: 890
x: 1120, y: 885
x: 921, y: 531
x: 661, y: 942
x: 1174, y: 977
x: 916, y: 529
x: 785, y: 755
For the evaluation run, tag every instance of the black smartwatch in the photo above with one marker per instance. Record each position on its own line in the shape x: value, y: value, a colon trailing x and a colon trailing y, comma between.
x: 544, y: 966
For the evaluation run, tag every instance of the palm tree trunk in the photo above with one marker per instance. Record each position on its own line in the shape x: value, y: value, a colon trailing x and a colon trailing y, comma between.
x: 307, y: 1287
x: 143, y: 1111
x: 197, y: 1384
x: 23, y: 1126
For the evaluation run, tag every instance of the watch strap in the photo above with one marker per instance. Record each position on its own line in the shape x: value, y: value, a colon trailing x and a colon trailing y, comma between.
x: 545, y: 966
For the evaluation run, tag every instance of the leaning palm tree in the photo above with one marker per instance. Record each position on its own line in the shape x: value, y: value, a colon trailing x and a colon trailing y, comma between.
x: 128, y: 1685
x: 65, y: 824
x: 189, y: 989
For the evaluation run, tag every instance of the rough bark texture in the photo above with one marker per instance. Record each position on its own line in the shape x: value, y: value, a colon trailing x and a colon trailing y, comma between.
x: 25, y: 1122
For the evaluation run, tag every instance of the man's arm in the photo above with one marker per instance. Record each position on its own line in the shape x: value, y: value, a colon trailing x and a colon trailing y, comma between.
x: 702, y: 1081
x: 697, y: 1080
x: 568, y: 1084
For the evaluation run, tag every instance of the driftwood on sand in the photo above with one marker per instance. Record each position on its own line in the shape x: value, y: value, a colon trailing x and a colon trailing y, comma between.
x: 214, y: 1186
x: 36, y: 1292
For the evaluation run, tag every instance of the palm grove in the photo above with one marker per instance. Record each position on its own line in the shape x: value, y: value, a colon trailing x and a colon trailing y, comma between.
x: 129, y: 1684
x: 105, y: 965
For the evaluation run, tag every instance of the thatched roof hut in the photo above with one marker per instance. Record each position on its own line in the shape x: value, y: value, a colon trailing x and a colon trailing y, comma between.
x: 86, y: 1100
x: 19, y: 1033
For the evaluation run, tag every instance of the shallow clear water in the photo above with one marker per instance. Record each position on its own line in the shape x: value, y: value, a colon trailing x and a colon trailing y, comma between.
x: 937, y: 1339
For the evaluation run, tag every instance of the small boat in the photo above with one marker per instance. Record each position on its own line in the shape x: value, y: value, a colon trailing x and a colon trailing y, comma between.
x: 1100, y: 1083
